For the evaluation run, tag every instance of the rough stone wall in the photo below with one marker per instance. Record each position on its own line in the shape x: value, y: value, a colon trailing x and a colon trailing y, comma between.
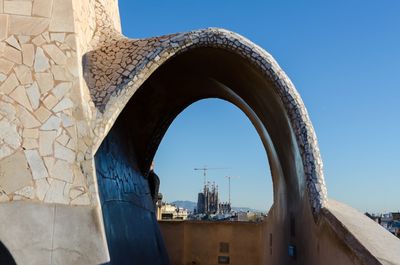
x: 40, y: 103
x: 45, y: 106
x: 199, y: 242
x: 53, y: 117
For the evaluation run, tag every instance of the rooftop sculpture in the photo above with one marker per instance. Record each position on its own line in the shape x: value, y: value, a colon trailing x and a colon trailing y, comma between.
x: 83, y: 109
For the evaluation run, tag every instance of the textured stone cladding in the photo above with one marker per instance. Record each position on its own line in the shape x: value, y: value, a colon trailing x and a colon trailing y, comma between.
x: 45, y: 107
x: 39, y: 103
x: 66, y: 73
x: 128, y: 212
x: 118, y: 68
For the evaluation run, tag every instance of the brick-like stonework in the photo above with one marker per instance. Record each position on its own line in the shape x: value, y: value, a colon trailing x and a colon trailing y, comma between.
x: 66, y: 73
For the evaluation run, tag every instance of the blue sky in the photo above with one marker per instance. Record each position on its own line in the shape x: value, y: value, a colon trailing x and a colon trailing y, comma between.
x: 344, y: 59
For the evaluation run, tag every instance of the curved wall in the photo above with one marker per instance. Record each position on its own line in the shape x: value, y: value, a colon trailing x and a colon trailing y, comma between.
x: 123, y: 159
x: 5, y: 256
x: 130, y: 223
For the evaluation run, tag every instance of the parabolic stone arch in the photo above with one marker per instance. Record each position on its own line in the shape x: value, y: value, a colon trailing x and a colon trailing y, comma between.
x: 170, y: 73
x: 193, y: 57
x: 83, y: 109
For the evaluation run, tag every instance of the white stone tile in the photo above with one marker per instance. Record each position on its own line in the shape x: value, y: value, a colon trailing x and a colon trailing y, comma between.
x: 14, y: 173
x: 36, y: 164
x: 28, y: 54
x: 57, y: 37
x: 19, y: 95
x: 81, y: 200
x: 24, y: 25
x: 31, y: 133
x: 23, y: 39
x: 73, y: 66
x: 2, y: 77
x: 61, y: 73
x: 42, y: 8
x: 66, y: 120
x: 4, y: 197
x: 71, y: 144
x: 12, y: 54
x: 46, y: 36
x: 53, y: 123
x: 79, y: 178
x: 3, y: 26
x: 5, y: 66
x: 45, y: 81
x: 62, y: 17
x: 61, y: 89
x: 70, y: 40
x: 5, y: 151
x: 13, y: 42
x: 76, y: 192
x: 41, y: 61
x: 38, y: 40
x: 27, y: 192
x: 42, y: 186
x: 55, y: 193
x: 61, y: 152
x: 27, y: 119
x: 62, y: 170
x: 50, y: 101
x: 55, y: 53
x: 30, y: 143
x: 33, y: 95
x: 46, y: 140
x: 9, y: 134
x: 49, y: 162
x: 64, y: 104
x: 23, y: 74
x: 7, y: 109
x: 63, y: 139
x: 42, y: 114
x: 9, y: 85
x: 18, y: 7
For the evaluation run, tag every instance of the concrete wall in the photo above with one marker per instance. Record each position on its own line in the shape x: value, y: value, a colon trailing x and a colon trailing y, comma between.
x: 258, y: 244
x: 341, y: 235
x: 199, y: 242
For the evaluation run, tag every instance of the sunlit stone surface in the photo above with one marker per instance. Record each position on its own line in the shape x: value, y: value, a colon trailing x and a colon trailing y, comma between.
x: 69, y: 183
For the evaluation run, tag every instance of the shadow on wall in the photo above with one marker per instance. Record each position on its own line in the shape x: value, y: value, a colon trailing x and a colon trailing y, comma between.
x: 5, y: 256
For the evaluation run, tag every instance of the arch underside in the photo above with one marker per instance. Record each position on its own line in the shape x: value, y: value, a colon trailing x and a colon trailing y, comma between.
x: 115, y: 71
x: 144, y: 84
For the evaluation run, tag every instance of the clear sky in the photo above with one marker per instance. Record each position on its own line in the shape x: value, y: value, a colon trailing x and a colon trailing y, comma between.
x: 344, y: 59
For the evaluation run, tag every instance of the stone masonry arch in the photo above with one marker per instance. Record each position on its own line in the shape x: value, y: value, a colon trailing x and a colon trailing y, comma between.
x: 139, y: 101
x: 83, y: 109
x: 119, y: 85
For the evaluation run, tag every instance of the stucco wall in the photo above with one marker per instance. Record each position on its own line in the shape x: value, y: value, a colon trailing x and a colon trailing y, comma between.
x: 251, y: 244
x: 199, y: 242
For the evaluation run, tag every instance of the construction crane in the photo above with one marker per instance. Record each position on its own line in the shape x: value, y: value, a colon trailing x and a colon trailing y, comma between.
x: 229, y: 187
x: 205, y: 169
